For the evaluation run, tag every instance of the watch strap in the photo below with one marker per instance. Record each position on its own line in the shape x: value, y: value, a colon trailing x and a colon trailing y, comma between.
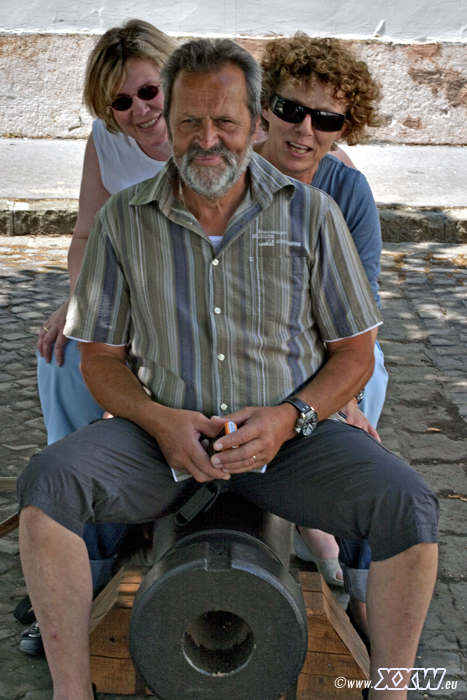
x: 300, y: 405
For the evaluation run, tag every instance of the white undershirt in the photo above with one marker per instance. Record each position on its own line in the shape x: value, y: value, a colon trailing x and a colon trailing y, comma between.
x: 216, y: 241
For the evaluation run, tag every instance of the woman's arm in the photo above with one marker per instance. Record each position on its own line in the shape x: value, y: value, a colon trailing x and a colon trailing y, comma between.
x: 92, y: 196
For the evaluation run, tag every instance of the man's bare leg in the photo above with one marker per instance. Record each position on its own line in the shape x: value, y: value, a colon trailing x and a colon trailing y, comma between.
x: 58, y: 576
x: 398, y: 595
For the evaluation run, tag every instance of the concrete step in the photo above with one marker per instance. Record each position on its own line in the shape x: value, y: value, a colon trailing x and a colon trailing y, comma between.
x: 420, y: 190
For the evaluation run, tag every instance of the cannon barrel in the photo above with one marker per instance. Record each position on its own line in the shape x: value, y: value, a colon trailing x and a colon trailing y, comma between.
x: 219, y: 616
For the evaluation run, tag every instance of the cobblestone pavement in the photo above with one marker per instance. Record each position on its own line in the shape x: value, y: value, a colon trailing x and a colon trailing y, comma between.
x: 424, y: 337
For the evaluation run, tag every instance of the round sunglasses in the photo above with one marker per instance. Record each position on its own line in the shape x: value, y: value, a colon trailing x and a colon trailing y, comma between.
x: 294, y: 113
x: 123, y: 102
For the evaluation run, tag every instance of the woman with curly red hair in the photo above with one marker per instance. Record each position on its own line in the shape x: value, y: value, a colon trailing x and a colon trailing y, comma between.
x: 315, y: 93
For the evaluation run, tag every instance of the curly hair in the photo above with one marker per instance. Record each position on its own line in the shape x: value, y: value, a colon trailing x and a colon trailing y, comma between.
x: 298, y: 59
x: 107, y: 64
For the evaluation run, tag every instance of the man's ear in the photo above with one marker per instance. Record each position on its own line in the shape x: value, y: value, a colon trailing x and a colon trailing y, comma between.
x: 254, y: 130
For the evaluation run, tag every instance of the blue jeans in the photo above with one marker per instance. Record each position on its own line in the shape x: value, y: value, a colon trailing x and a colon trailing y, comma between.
x: 67, y: 406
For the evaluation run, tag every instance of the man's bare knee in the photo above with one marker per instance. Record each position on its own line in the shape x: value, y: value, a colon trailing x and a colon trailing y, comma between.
x: 35, y: 525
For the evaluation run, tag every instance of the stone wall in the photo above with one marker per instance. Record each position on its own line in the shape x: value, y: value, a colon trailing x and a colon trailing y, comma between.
x: 424, y: 85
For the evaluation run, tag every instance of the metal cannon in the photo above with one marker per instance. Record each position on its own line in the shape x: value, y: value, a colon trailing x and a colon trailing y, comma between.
x: 219, y: 616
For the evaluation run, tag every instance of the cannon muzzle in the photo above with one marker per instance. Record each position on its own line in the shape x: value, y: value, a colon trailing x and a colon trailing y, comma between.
x: 219, y: 616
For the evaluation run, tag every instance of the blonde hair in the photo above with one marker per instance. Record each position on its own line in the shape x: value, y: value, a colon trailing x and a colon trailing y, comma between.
x: 298, y: 59
x: 107, y: 64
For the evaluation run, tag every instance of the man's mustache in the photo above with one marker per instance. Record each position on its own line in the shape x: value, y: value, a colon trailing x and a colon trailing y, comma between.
x: 219, y: 150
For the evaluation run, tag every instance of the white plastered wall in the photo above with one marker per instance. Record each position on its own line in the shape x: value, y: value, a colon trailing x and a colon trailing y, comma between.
x: 417, y: 49
x: 394, y: 20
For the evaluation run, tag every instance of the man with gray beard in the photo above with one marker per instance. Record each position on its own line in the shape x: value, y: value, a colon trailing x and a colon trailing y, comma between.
x: 222, y: 290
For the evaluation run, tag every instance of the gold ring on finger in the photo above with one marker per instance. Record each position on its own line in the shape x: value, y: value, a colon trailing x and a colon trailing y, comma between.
x: 254, y: 458
x: 46, y: 329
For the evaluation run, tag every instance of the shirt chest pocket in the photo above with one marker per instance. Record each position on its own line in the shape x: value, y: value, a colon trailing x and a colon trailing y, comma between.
x: 278, y: 293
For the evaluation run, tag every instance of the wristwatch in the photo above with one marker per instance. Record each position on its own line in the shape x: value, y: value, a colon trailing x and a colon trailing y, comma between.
x: 308, y: 419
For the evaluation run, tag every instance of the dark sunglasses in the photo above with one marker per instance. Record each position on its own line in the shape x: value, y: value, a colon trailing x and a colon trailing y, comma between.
x: 294, y: 113
x: 124, y: 102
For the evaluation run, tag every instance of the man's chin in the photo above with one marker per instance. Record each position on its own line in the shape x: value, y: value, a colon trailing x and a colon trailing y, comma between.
x: 210, y: 182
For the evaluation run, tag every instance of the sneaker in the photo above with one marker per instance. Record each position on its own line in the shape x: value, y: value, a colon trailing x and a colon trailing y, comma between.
x: 31, y: 641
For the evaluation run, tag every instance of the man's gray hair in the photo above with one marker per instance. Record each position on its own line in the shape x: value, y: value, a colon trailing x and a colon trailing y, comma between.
x: 208, y: 56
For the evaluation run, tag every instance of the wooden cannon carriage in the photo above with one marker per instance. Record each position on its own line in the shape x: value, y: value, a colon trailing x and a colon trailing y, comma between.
x: 333, y: 649
x: 195, y: 635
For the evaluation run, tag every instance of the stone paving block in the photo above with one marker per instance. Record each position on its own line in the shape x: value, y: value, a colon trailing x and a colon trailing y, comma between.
x: 444, y: 477
x: 404, y: 353
x: 9, y: 547
x: 453, y: 557
x: 434, y: 447
x: 452, y: 662
x: 397, y: 329
x: 427, y: 376
x: 453, y: 517
x: 433, y: 413
x: 459, y: 592
x: 456, y: 350
x: 433, y: 638
x: 448, y: 362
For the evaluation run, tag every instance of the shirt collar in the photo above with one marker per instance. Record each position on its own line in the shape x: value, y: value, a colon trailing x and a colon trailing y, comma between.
x: 265, y: 181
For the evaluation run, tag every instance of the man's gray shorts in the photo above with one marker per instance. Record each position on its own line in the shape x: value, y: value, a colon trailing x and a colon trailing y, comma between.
x: 339, y: 480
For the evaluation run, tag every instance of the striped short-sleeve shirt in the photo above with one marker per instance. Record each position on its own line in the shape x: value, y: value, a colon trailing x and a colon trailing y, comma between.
x: 216, y: 330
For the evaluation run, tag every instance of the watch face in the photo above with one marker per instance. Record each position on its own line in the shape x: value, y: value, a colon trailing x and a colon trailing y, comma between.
x: 309, y: 423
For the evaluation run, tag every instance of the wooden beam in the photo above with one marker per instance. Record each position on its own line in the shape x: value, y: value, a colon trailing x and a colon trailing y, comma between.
x: 9, y: 525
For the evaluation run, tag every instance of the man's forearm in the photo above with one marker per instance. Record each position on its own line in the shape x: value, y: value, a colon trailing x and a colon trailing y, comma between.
x: 116, y: 388
x: 339, y: 380
x: 178, y: 432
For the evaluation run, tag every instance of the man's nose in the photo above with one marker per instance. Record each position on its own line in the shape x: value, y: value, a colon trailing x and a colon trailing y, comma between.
x: 208, y: 135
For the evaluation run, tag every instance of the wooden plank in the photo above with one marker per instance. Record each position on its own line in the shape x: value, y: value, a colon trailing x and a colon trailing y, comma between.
x: 311, y: 581
x: 314, y: 603
x: 323, y: 638
x: 339, y: 637
x: 117, y: 592
x: 346, y: 631
x: 112, y: 669
x: 9, y: 525
x: 321, y: 664
x: 323, y: 688
x: 113, y: 675
x: 110, y: 637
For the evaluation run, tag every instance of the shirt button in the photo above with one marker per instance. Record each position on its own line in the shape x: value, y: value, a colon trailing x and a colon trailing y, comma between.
x: 215, y: 262
x: 221, y: 357
x: 224, y: 407
x: 217, y: 310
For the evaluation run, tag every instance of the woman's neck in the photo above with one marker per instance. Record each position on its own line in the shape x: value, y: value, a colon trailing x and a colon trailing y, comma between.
x: 162, y: 152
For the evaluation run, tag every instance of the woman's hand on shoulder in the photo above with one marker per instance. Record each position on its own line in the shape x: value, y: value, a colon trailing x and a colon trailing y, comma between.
x: 51, y: 338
